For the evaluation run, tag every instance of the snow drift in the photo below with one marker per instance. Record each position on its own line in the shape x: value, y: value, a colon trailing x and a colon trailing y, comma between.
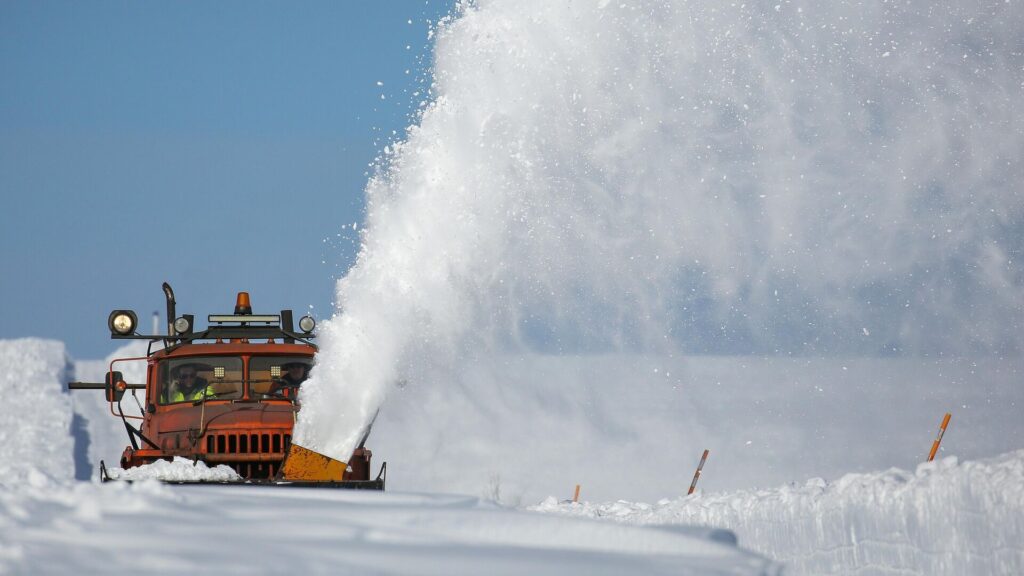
x: 689, y: 177
x: 946, y: 518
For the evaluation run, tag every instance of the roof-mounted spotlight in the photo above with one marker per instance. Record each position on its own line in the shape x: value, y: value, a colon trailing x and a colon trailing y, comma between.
x: 183, y: 325
x: 307, y: 324
x: 122, y: 322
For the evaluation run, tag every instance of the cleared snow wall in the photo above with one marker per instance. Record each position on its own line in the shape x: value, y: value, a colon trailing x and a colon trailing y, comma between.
x: 689, y: 177
x: 35, y: 414
x: 944, y: 519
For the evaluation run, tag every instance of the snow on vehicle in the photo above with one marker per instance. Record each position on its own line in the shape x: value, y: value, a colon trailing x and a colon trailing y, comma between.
x: 226, y: 395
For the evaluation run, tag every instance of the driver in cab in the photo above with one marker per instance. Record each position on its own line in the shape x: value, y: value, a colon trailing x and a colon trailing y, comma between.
x: 294, y: 373
x: 188, y: 385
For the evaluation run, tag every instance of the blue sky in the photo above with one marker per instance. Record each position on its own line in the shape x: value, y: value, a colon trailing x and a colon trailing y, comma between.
x: 218, y: 146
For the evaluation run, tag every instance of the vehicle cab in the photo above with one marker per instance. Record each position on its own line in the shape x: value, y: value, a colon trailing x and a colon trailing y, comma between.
x: 227, y: 394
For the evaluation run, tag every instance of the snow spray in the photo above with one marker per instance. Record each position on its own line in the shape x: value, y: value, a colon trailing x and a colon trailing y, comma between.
x: 788, y: 178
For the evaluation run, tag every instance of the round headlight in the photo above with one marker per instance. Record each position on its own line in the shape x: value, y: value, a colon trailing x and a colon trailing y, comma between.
x: 122, y: 322
x: 306, y: 324
x: 181, y: 325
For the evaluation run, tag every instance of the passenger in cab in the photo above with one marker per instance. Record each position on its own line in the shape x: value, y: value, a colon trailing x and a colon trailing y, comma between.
x: 187, y: 385
x: 293, y: 374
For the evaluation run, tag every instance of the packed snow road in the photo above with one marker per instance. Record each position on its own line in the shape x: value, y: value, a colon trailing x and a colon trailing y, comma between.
x: 87, y: 528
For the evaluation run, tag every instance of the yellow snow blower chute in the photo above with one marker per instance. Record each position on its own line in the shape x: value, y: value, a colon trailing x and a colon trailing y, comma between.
x: 305, y: 465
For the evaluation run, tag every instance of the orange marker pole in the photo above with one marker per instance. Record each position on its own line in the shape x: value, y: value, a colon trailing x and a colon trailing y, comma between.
x: 696, y: 475
x: 938, y: 439
x: 576, y: 496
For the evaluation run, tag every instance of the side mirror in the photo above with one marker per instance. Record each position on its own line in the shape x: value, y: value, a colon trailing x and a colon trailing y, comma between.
x: 115, y: 386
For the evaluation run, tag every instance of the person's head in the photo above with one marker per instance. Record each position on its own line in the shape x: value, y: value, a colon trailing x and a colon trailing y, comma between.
x: 295, y: 370
x: 187, y: 375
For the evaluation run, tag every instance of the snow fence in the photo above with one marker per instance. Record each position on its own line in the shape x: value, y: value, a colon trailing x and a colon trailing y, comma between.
x: 946, y: 518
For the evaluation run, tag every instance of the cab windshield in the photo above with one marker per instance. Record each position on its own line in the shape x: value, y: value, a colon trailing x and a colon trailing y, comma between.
x: 222, y: 378
x: 192, y: 379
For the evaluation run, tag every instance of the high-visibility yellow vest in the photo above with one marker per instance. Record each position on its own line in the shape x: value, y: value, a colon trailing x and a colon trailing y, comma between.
x: 179, y: 396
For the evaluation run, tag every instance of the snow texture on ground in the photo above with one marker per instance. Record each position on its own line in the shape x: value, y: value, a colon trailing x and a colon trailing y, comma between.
x: 946, y: 518
x: 115, y: 528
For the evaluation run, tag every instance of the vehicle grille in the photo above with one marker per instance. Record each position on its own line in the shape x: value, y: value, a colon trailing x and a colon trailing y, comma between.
x: 251, y: 455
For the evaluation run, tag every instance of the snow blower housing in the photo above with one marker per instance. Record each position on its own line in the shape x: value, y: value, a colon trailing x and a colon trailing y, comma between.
x: 226, y: 395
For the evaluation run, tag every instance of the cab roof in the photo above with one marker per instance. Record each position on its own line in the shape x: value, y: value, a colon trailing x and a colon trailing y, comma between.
x: 233, y: 349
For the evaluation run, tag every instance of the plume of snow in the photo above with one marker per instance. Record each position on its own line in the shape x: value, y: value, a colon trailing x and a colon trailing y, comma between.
x: 658, y: 176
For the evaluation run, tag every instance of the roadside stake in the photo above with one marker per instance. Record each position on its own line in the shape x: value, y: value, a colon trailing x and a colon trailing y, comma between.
x: 938, y: 439
x: 576, y: 496
x: 696, y: 475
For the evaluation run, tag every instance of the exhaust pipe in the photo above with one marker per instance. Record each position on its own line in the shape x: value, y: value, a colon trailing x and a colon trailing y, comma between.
x: 170, y: 309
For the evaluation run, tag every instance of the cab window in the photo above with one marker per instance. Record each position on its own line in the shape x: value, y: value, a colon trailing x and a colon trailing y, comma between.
x: 192, y: 379
x: 278, y: 377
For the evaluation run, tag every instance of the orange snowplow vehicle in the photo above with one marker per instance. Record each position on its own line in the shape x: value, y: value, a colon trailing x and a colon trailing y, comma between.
x: 226, y: 395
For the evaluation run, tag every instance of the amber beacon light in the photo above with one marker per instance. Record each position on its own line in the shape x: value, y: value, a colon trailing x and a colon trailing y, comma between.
x: 242, y: 305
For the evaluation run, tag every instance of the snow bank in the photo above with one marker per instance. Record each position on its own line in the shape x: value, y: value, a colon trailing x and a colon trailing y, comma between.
x: 180, y: 470
x: 35, y: 414
x: 946, y: 518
